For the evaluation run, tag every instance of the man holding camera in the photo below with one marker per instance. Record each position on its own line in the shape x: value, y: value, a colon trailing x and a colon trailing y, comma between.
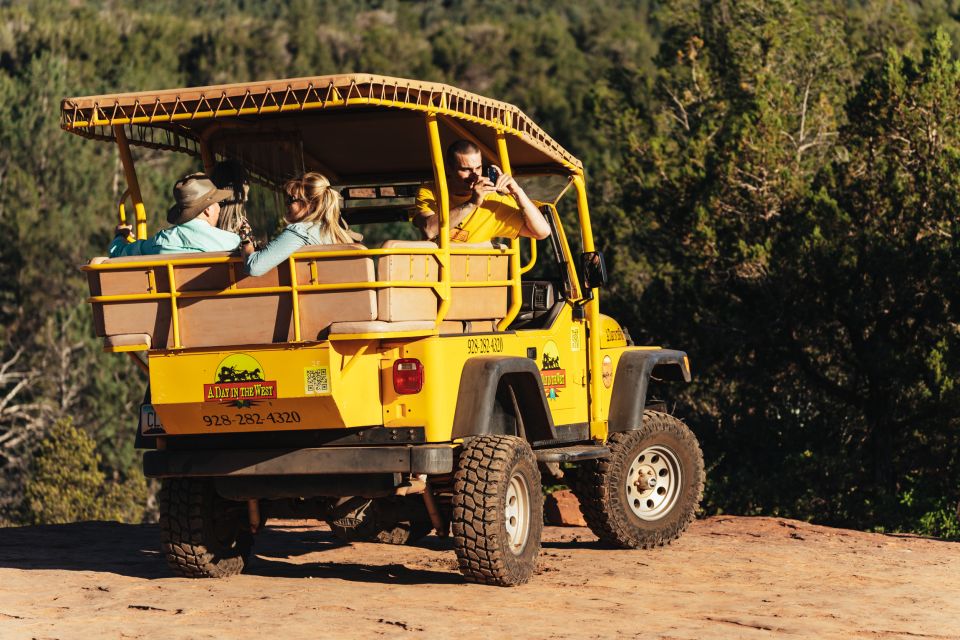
x: 482, y: 207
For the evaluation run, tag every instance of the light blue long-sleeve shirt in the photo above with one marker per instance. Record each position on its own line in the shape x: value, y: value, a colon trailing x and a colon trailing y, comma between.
x: 190, y: 237
x: 296, y: 235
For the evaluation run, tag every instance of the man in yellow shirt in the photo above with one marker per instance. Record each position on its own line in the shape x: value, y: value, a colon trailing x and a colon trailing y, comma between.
x: 479, y: 209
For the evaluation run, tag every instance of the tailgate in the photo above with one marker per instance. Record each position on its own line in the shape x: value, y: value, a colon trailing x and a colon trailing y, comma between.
x: 273, y: 389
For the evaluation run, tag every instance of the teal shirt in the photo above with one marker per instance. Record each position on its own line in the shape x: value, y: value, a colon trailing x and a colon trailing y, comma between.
x: 190, y: 237
x: 296, y: 235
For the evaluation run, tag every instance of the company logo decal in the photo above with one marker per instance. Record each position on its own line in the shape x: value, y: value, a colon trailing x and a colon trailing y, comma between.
x: 554, y: 378
x: 239, y: 383
x: 607, y: 370
x: 615, y: 335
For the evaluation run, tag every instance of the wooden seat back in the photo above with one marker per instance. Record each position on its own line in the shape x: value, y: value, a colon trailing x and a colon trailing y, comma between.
x: 216, y: 302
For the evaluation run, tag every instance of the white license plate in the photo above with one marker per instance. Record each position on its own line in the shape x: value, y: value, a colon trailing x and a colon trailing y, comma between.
x: 150, y: 422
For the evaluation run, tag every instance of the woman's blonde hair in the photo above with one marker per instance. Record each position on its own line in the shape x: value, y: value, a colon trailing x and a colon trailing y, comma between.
x: 323, y: 206
x: 230, y: 174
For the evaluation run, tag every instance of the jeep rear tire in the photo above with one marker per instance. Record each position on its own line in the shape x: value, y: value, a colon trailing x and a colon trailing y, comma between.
x: 393, y: 520
x: 497, y: 511
x: 648, y: 491
x: 202, y: 534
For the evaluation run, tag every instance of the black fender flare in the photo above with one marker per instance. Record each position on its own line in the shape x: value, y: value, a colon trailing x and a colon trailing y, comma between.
x: 632, y: 379
x: 479, y: 410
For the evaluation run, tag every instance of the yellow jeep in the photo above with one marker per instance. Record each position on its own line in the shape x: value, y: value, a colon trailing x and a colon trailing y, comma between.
x: 390, y: 391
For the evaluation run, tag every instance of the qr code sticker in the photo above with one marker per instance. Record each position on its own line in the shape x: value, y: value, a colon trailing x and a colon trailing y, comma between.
x: 316, y: 380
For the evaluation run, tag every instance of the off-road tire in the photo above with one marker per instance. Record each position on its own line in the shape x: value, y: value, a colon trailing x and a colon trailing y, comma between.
x: 489, y: 469
x: 395, y: 520
x: 202, y: 534
x: 600, y: 485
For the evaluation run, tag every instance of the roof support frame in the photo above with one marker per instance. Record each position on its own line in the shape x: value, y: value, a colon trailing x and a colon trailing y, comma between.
x: 133, y: 184
x: 464, y: 133
x: 443, y: 199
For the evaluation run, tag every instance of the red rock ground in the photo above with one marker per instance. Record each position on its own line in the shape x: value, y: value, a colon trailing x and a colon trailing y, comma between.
x: 727, y: 577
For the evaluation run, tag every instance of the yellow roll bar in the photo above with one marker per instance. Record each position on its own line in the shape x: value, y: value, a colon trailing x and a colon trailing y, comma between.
x: 133, y: 185
x: 516, y: 290
x: 533, y: 257
x: 443, y: 199
x: 593, y: 312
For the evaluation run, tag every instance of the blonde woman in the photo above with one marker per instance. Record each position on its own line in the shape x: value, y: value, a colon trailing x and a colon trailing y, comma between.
x: 313, y: 217
x: 230, y: 175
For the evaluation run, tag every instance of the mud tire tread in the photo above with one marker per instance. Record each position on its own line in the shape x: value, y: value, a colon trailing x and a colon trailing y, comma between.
x: 596, y: 482
x: 483, y: 473
x: 186, y: 513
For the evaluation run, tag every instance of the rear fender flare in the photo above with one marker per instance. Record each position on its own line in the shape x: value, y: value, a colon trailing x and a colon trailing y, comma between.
x: 485, y: 406
x: 632, y: 379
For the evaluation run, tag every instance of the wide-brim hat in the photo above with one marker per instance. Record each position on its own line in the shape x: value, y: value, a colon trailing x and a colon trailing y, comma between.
x: 194, y: 193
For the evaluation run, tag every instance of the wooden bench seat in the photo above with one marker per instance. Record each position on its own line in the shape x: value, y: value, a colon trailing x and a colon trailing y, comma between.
x: 225, y: 320
x: 232, y: 319
x: 472, y: 310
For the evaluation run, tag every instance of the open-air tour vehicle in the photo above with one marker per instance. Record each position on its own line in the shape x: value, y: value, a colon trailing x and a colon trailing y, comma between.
x: 390, y: 391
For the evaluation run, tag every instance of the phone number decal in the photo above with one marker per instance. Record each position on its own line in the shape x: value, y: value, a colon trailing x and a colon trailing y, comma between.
x: 484, y: 345
x: 274, y: 417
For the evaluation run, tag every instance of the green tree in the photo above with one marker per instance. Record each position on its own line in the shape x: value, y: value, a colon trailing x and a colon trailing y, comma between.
x: 67, y: 485
x: 868, y: 269
x: 791, y: 225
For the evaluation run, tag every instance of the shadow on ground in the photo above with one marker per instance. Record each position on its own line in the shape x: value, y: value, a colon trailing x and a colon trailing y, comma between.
x: 134, y: 551
x: 353, y: 572
x: 111, y: 547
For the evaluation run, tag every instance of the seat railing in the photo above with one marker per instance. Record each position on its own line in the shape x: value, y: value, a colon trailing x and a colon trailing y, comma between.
x: 441, y: 286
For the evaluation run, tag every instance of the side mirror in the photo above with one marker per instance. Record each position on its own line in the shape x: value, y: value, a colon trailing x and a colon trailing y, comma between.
x: 593, y: 270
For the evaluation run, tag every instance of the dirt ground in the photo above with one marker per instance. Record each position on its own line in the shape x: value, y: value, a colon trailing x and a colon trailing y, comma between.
x: 727, y: 577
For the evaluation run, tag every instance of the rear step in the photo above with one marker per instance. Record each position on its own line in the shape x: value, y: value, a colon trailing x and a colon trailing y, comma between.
x: 575, y: 453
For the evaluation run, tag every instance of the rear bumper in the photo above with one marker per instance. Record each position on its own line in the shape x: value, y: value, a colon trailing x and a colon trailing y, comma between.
x: 429, y: 459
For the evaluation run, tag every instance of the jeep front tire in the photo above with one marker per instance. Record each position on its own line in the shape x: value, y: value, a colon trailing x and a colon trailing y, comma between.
x: 648, y: 491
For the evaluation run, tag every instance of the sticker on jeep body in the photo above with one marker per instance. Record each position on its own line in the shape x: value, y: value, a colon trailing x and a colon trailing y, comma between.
x: 239, y: 382
x: 554, y: 378
x: 316, y: 380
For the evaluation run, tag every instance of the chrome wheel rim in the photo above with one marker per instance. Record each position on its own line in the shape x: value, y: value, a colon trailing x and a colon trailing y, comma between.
x: 653, y: 483
x: 516, y: 513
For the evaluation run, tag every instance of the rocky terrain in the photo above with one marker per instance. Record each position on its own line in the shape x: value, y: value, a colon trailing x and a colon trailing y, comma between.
x: 727, y: 577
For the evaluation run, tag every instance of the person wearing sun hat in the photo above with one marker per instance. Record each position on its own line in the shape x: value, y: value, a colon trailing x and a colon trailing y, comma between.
x: 194, y: 218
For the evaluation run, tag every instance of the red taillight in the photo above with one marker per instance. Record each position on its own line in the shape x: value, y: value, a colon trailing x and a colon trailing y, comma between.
x: 407, y: 376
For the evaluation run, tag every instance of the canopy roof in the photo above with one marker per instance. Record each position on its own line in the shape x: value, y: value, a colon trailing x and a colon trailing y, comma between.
x: 354, y: 127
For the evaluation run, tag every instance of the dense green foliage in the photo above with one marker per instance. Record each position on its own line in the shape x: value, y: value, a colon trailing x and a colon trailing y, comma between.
x: 786, y: 212
x: 65, y: 483
x: 774, y: 184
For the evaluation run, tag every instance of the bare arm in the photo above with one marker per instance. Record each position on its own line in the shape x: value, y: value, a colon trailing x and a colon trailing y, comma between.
x: 534, y: 224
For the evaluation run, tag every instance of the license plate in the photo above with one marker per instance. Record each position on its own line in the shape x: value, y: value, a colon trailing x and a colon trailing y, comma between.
x: 150, y: 422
